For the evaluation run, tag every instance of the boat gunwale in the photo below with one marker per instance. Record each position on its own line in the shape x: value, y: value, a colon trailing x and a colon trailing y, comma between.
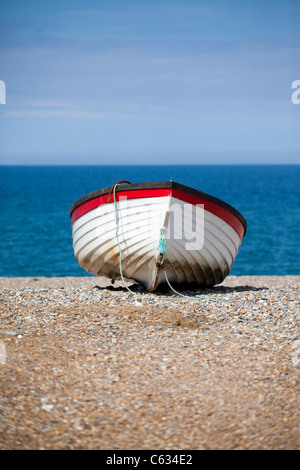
x: 162, y: 185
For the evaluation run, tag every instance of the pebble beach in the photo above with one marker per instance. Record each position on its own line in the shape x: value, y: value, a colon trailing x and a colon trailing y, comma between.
x: 85, y: 364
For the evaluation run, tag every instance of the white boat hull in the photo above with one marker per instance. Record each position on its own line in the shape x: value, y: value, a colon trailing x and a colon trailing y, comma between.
x: 200, y: 246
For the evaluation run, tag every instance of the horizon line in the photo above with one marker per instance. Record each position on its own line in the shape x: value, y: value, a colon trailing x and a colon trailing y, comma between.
x: 143, y: 164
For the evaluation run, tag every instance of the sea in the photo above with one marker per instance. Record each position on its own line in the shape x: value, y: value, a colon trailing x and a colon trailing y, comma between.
x: 36, y: 235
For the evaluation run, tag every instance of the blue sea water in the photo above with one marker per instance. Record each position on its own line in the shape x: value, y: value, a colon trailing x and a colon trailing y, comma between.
x: 36, y: 237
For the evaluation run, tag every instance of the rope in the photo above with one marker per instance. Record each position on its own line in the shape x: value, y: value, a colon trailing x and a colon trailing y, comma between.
x: 112, y: 188
x: 162, y: 243
x: 117, y: 236
x: 162, y: 249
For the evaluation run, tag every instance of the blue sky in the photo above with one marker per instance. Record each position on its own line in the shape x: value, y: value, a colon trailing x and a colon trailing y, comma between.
x: 135, y: 81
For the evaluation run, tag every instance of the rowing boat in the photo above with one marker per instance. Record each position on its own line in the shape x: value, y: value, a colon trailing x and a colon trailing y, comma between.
x: 156, y: 231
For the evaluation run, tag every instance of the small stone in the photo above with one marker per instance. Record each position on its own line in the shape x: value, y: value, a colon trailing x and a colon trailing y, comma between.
x: 47, y: 407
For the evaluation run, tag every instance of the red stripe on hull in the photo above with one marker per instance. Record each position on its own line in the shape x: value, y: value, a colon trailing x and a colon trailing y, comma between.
x: 213, y: 208
x: 133, y: 194
x: 209, y: 206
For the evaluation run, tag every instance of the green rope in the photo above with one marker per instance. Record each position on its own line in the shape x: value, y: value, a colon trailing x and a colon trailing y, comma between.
x: 186, y: 296
x: 120, y: 250
x: 162, y: 249
x: 162, y: 243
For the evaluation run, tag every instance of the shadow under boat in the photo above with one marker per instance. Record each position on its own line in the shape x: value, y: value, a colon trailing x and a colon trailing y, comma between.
x: 184, y: 289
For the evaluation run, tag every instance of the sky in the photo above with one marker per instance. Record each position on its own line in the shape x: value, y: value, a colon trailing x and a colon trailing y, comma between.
x: 149, y: 82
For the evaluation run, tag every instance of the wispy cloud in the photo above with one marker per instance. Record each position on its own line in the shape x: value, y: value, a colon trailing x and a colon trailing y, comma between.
x: 83, y: 110
x: 178, y: 71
